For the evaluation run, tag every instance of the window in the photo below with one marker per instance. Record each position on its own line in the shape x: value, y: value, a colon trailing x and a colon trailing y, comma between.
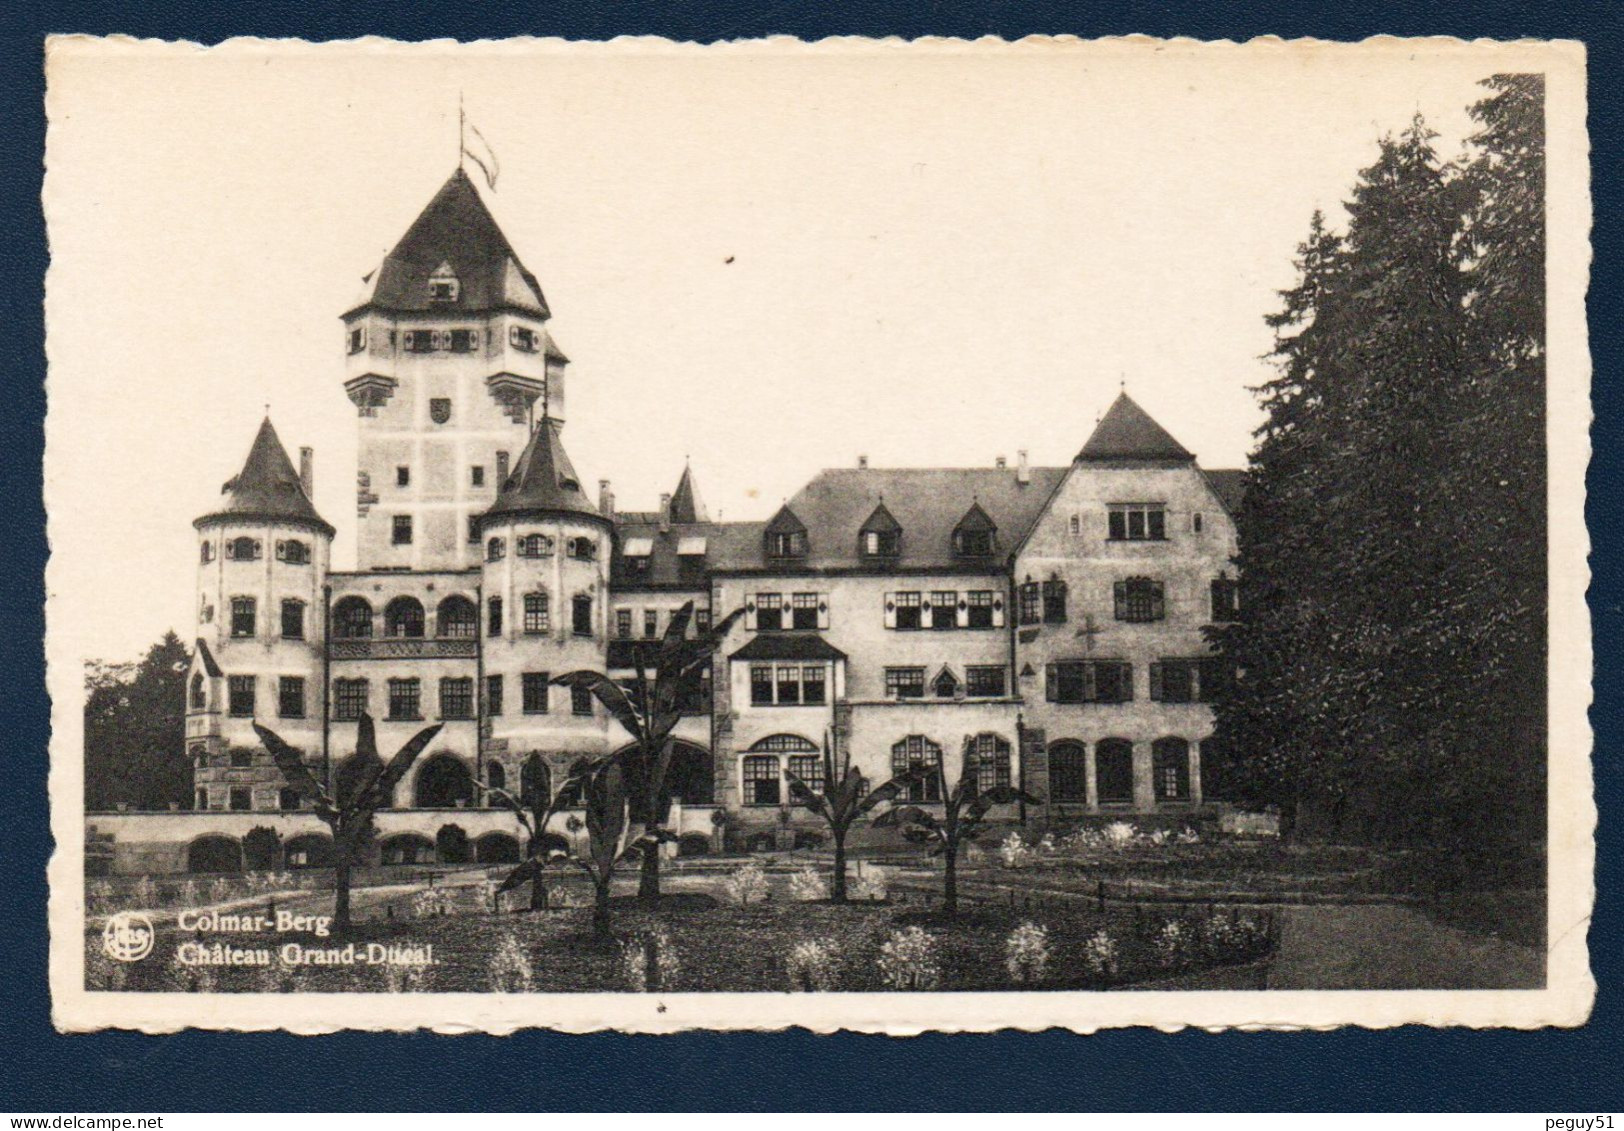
x: 702, y: 621
x: 496, y: 776
x: 580, y: 699
x: 242, y: 616
x: 349, y: 699
x: 973, y: 543
x: 419, y: 341
x: 476, y: 476
x: 981, y: 609
x: 804, y: 612
x: 881, y: 544
x: 761, y: 685
x: 1137, y: 522
x: 206, y: 552
x: 537, y: 614
x: 651, y: 623
x: 440, y: 409
x: 583, y: 549
x: 522, y: 338
x: 1170, y: 769
x: 202, y: 799
x: 623, y: 624
x: 991, y: 757
x: 240, y: 696
x: 1074, y: 524
x: 403, y: 617
x: 292, y: 619
x: 457, y: 618
x: 495, y: 550
x: 761, y: 780
x: 493, y: 616
x: 769, y: 612
x: 946, y: 685
x: 1195, y: 523
x: 352, y: 619
x: 1054, y: 601
x: 1226, y: 598
x: 457, y: 698
x: 462, y: 341
x: 242, y: 798
x: 405, y: 699
x: 501, y: 469
x: 984, y: 681
x: 199, y: 694
x: 287, y: 799
x: 1089, y: 681
x: 581, y: 615
x: 535, y: 546
x: 904, y: 683
x: 787, y: 544
x: 292, y: 551
x: 812, y: 685
x: 403, y: 477
x: 1113, y: 771
x: 401, y: 530
x: 240, y: 758
x: 944, y: 609
x: 533, y: 686
x: 1029, y: 603
x: 357, y: 339
x: 788, y: 685
x: 242, y: 549
x: 473, y: 530
x: 1139, y: 600
x: 909, y: 615
x: 809, y: 768
x: 913, y: 753
x: 1068, y: 772
x: 493, y: 695
x: 290, y: 697
x: 1173, y: 681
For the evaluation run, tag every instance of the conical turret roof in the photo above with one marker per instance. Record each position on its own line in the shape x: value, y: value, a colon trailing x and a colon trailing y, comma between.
x: 267, y: 488
x: 543, y: 481
x: 1126, y: 431
x: 686, y: 505
x: 457, y: 237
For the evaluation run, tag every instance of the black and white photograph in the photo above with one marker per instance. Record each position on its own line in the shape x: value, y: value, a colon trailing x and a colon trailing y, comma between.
x: 898, y: 537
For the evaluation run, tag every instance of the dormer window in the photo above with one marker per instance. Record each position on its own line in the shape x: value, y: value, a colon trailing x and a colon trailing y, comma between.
x: 293, y: 551
x: 582, y: 549
x: 535, y: 546
x: 786, y: 545
x: 523, y: 339
x: 880, y: 536
x: 975, y: 536
x: 443, y: 284
x: 242, y: 549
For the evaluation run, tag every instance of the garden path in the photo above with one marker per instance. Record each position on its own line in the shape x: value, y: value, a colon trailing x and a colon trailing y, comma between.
x: 1388, y: 947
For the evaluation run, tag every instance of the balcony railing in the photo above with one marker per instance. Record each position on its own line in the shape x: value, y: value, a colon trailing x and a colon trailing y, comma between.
x: 405, y: 648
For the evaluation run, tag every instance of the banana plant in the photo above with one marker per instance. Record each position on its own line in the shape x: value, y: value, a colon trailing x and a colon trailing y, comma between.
x: 535, y: 810
x: 348, y: 812
x: 963, y: 810
x: 842, y: 799
x: 649, y: 712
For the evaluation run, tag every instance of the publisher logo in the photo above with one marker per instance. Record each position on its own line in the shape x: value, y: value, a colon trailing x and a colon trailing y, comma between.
x: 128, y: 936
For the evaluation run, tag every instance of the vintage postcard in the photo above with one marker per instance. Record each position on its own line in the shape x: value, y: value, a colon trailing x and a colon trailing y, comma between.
x: 857, y: 535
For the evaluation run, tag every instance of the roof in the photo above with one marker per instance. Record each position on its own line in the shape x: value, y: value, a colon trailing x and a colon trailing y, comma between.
x: 788, y: 646
x: 267, y: 488
x: 686, y: 505
x: 455, y: 230
x: 543, y: 480
x: 209, y: 664
x: 881, y: 521
x: 1229, y: 484
x: 1126, y: 431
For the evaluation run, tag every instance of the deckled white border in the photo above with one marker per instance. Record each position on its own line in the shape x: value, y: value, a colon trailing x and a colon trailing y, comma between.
x: 1570, y: 991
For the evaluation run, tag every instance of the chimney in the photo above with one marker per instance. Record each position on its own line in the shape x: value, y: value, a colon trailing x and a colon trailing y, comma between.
x: 665, y: 513
x: 862, y: 463
x: 307, y: 471
x: 1023, y: 471
x: 501, y: 470
x: 606, y: 499
x: 1000, y: 463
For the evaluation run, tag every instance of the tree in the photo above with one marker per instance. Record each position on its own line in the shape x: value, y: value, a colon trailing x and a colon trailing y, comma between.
x: 963, y: 810
x: 649, y: 712
x: 135, y: 730
x: 535, y: 808
x: 348, y: 810
x: 841, y: 800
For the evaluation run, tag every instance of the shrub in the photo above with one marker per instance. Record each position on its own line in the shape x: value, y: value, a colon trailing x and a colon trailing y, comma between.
x: 1158, y: 837
x: 1120, y: 834
x: 1100, y: 955
x: 190, y: 894
x: 431, y: 902
x: 509, y: 970
x: 1027, y: 954
x: 1174, y: 944
x: 560, y: 896
x: 870, y: 885
x: 220, y: 890
x: 807, y: 886
x: 908, y: 961
x: 1082, y: 839
x: 649, y: 961
x: 99, y: 896
x: 747, y: 882
x: 1047, y: 845
x: 813, y: 965
x: 1012, y: 851
x: 1189, y: 836
x: 145, y: 893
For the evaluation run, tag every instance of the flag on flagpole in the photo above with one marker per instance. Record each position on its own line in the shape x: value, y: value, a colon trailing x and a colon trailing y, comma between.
x: 479, y: 151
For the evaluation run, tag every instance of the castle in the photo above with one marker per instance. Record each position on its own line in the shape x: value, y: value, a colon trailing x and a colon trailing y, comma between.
x: 1052, y: 616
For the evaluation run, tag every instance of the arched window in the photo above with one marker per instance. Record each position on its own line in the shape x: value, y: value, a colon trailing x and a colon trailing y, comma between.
x: 206, y: 552
x: 443, y: 783
x: 407, y: 848
x: 692, y: 774
x: 243, y: 613
x: 352, y: 619
x: 535, y: 782
x: 495, y: 549
x: 403, y: 617
x: 199, y: 692
x: 584, y: 549
x: 1068, y: 772
x: 990, y: 754
x: 1170, y: 766
x: 242, y: 549
x: 293, y: 551
x: 200, y: 756
x: 1113, y: 771
x: 214, y: 852
x: 537, y: 616
x: 535, y: 546
x: 457, y: 617
x: 764, y: 768
x: 918, y: 752
x: 496, y: 776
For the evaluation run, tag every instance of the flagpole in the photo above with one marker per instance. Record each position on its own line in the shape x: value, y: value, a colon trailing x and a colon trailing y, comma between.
x: 462, y: 144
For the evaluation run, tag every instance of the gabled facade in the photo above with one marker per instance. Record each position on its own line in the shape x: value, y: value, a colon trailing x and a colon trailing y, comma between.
x: 1051, y: 617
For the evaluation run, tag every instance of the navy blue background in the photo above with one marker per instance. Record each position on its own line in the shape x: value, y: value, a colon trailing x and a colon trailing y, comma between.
x: 1408, y: 1069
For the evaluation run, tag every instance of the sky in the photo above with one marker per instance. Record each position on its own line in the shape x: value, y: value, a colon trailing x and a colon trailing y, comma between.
x: 765, y: 260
